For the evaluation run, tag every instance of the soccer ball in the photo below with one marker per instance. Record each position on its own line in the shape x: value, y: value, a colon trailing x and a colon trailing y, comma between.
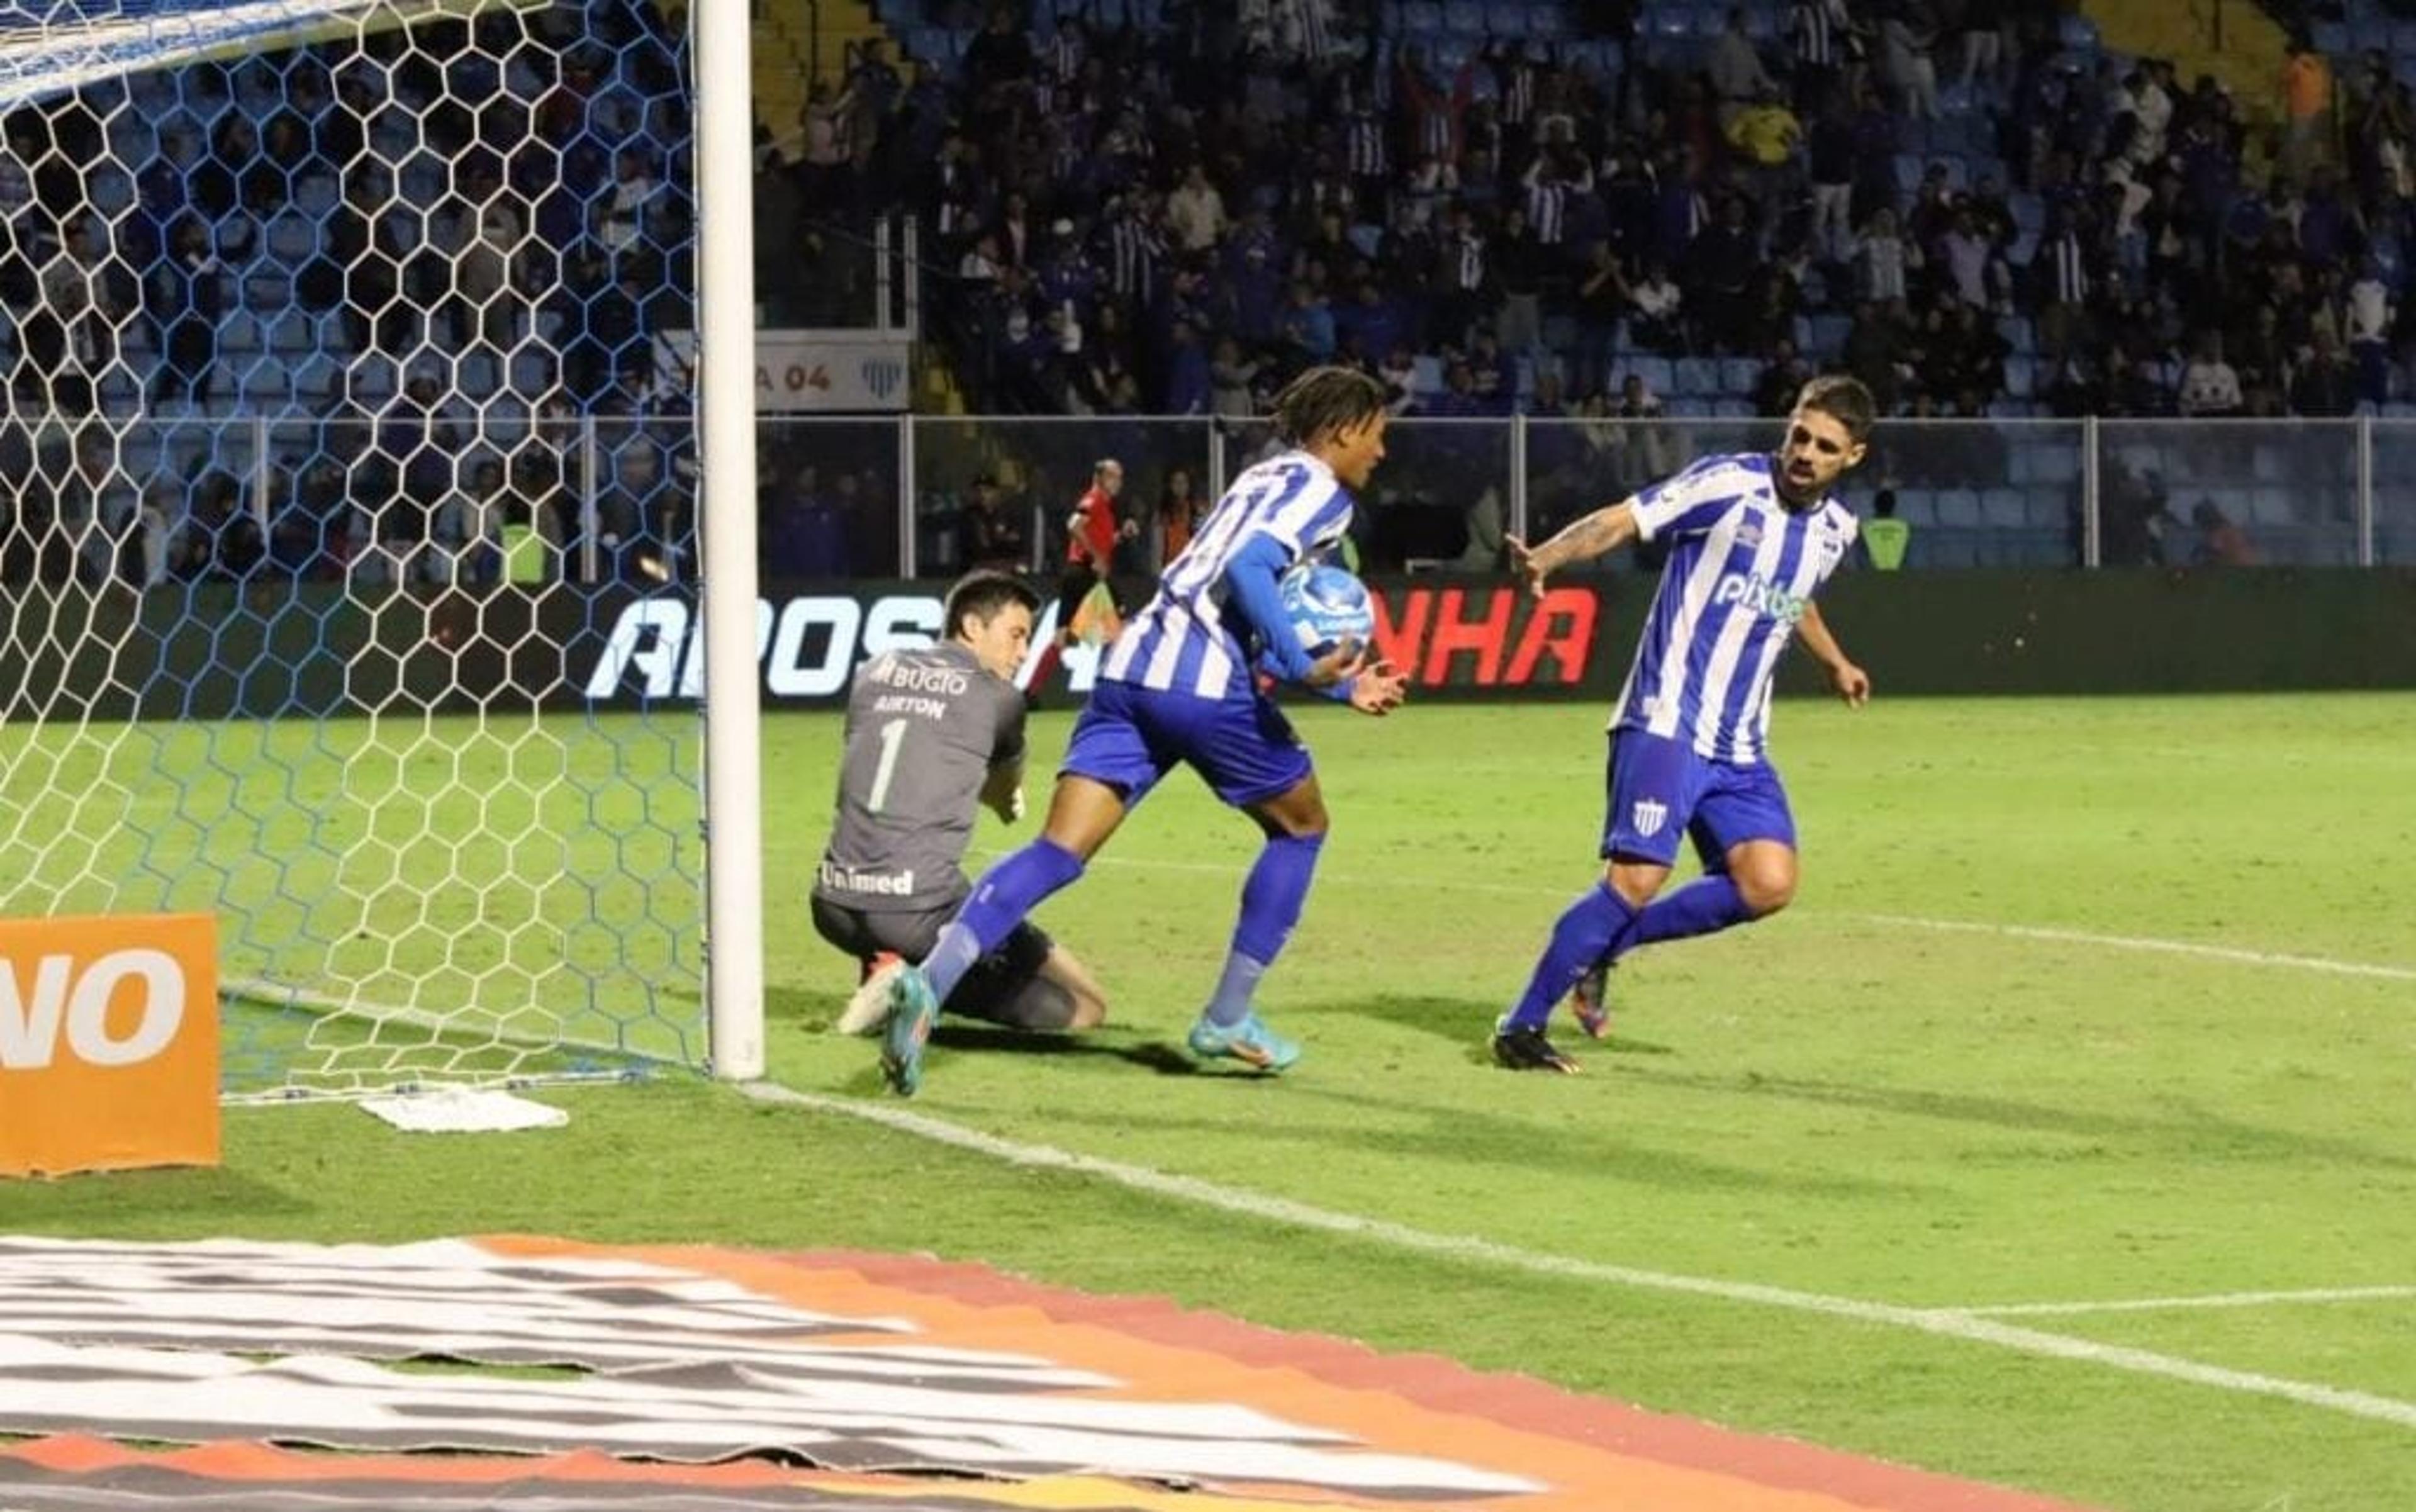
x: 1326, y: 604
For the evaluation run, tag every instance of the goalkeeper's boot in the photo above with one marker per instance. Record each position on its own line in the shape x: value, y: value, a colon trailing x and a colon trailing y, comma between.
x: 869, y: 1007
x: 912, y: 1012
x: 1250, y: 1041
x: 1590, y: 1000
x: 1529, y: 1049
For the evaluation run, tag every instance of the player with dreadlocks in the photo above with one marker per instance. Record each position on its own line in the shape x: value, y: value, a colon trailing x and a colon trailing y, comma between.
x: 1179, y: 686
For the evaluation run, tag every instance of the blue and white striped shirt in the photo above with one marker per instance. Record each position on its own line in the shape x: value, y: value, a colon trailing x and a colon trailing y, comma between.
x: 1741, y: 568
x: 1184, y: 641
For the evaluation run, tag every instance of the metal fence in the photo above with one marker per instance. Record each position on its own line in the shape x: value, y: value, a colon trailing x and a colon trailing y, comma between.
x: 1986, y: 493
x: 847, y: 497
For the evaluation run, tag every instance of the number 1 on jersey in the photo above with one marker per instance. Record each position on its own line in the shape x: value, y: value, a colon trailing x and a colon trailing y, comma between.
x: 893, y: 739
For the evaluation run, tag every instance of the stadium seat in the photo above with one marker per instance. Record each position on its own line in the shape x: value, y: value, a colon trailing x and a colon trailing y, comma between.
x: 2331, y: 37
x: 1739, y: 375
x: 2370, y: 36
x: 2046, y: 509
x: 1959, y: 508
x: 1421, y: 19
x: 1658, y: 376
x: 1464, y: 17
x: 2004, y: 509
x: 2018, y: 377
x: 1917, y: 508
x: 1733, y: 409
x: 2270, y: 507
x: 1506, y: 19
x: 1696, y: 377
x: 1684, y: 408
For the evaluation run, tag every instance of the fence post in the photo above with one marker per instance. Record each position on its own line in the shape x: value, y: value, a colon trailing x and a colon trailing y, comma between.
x: 909, y: 503
x: 2090, y: 553
x: 587, y: 485
x: 263, y: 474
x: 1518, y: 476
x: 2366, y: 491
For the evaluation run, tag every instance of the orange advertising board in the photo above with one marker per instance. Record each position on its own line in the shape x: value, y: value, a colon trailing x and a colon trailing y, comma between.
x: 109, y: 1043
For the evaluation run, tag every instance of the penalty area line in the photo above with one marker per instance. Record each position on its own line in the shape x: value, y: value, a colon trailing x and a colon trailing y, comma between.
x: 2218, y: 1299
x: 1947, y: 1324
x: 2230, y: 955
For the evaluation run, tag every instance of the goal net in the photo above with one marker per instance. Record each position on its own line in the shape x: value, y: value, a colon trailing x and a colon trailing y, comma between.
x: 336, y: 439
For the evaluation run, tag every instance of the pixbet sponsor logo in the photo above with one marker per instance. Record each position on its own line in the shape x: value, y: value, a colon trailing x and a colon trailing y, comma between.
x: 1760, y: 594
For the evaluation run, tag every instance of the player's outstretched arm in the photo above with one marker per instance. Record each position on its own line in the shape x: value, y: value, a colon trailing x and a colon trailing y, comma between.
x: 1853, y: 684
x: 1606, y: 529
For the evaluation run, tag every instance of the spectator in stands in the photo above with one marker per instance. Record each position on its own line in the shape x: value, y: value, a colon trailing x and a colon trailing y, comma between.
x: 2325, y: 385
x: 1782, y: 378
x: 1884, y: 540
x: 1907, y: 40
x: 2209, y: 387
x: 1734, y: 68
x: 185, y: 295
x: 1180, y: 511
x: 2306, y: 97
x: 2220, y: 543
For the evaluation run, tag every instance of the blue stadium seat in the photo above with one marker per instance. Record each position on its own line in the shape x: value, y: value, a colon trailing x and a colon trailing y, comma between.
x: 2003, y: 509
x: 1658, y: 375
x: 2046, y: 509
x: 1696, y: 376
x: 1465, y: 17
x: 1507, y: 18
x: 1917, y: 508
x: 1684, y: 408
x: 2269, y: 507
x: 2018, y: 377
x: 1739, y: 375
x: 1959, y: 508
x: 1829, y: 334
x: 1548, y: 19
x: 1733, y: 409
x: 2331, y: 37
x: 1421, y: 18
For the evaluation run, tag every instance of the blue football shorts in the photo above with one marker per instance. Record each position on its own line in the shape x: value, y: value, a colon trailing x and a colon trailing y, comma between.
x: 1660, y: 789
x: 1131, y: 736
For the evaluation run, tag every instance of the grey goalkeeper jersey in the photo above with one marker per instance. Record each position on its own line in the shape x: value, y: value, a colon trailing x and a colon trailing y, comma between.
x: 924, y: 728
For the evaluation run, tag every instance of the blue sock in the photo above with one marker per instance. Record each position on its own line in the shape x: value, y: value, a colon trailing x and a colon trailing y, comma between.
x: 1001, y: 899
x: 1706, y: 905
x: 1592, y: 927
x: 1271, y: 904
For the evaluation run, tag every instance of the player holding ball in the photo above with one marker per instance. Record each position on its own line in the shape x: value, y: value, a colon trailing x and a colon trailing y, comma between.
x: 1178, y: 688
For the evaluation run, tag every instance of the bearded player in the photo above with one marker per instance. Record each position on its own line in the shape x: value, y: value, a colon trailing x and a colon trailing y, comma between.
x: 1751, y: 537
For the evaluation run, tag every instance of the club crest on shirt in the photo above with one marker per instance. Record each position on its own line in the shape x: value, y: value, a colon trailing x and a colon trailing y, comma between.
x: 1749, y: 533
x: 1649, y: 815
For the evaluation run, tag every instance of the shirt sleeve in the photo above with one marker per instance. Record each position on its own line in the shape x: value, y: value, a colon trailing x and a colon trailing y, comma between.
x: 1006, y: 750
x: 1251, y: 596
x: 1688, y: 503
x: 1309, y: 515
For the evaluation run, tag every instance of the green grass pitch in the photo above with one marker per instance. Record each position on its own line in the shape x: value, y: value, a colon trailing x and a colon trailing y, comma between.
x: 1856, y: 1100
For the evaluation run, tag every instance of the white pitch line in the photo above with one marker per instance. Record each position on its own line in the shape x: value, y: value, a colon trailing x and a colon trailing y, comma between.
x: 2223, y: 1299
x: 1281, y: 1210
x: 2231, y: 954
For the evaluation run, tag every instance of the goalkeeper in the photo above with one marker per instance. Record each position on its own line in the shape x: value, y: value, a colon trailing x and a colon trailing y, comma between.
x: 930, y: 732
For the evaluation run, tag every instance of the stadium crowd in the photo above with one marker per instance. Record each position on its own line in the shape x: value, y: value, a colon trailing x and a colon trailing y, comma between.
x: 1175, y: 220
